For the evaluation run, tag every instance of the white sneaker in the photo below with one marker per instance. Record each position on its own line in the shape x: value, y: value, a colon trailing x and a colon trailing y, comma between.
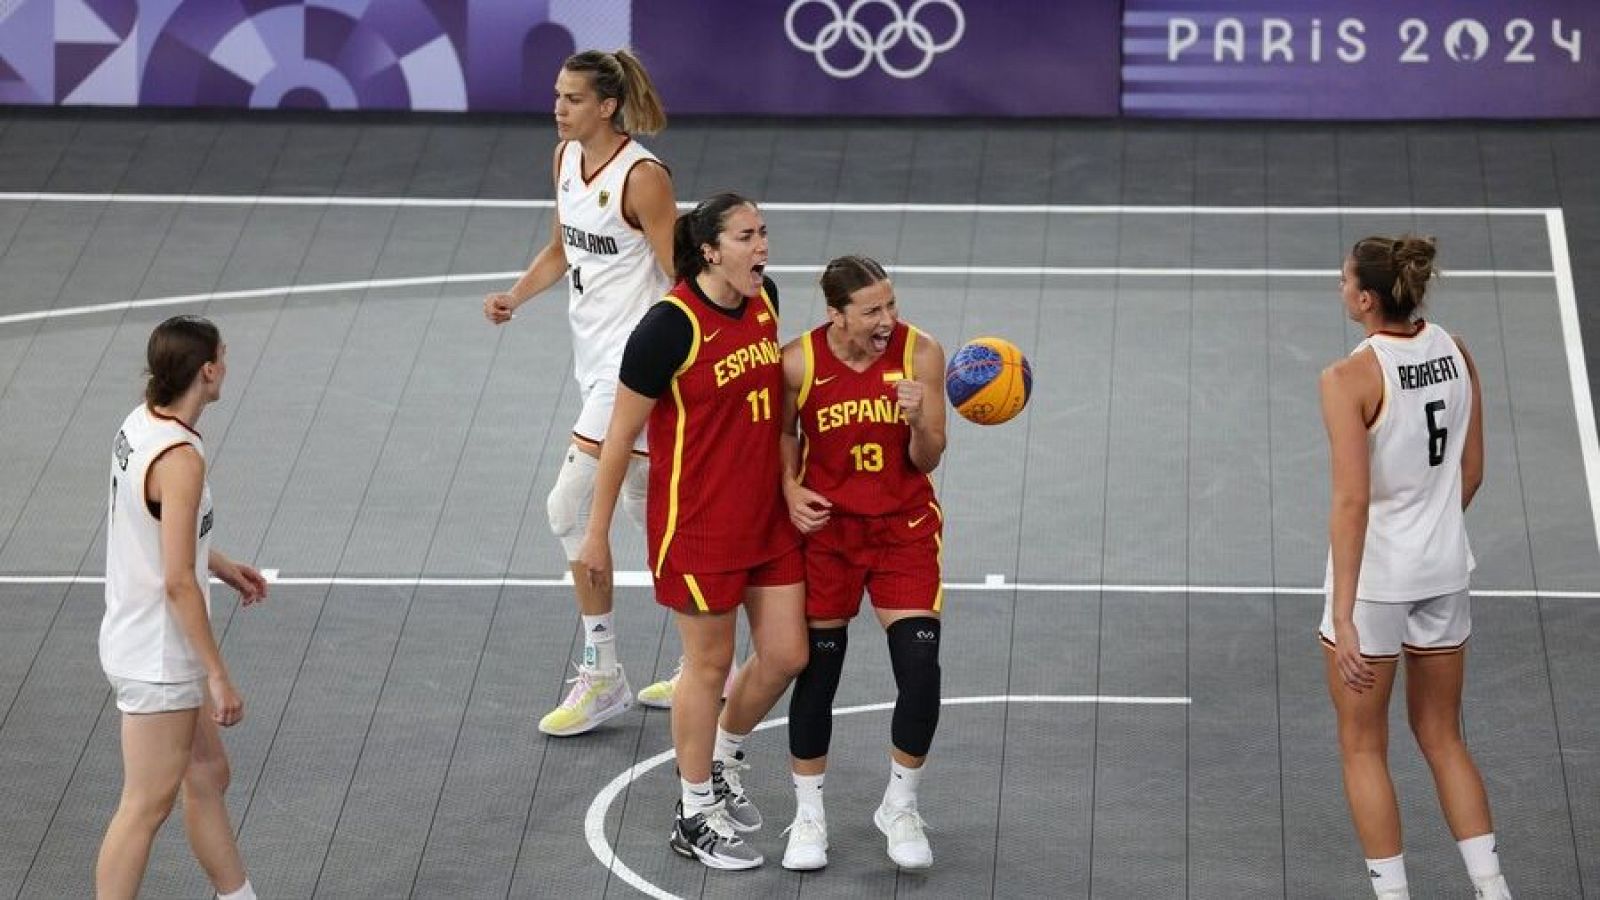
x: 659, y: 695
x: 1492, y: 888
x: 1402, y: 893
x: 808, y: 841
x: 594, y: 698
x: 908, y: 840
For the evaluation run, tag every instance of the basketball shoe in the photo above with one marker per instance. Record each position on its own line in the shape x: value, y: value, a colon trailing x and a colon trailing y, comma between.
x: 593, y: 699
x: 710, y: 837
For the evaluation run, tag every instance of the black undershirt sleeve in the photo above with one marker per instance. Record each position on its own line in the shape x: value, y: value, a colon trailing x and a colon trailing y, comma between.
x: 655, y: 350
x: 660, y: 343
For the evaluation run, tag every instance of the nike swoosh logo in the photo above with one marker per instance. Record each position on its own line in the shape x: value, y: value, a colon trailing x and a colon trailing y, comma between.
x: 711, y: 337
x: 822, y: 381
x: 917, y: 521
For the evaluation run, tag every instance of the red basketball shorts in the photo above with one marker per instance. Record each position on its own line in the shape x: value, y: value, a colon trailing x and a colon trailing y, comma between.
x: 895, y: 559
x: 719, y: 592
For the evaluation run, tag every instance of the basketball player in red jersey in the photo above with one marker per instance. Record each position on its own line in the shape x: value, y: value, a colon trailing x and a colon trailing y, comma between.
x: 704, y: 370
x: 864, y: 389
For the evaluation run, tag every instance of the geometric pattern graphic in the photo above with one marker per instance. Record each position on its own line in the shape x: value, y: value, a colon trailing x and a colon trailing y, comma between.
x: 320, y: 54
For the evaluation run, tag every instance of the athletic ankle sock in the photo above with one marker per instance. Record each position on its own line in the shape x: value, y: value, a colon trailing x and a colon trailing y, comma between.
x: 902, y: 790
x: 728, y: 744
x: 599, y: 643
x: 244, y: 892
x: 808, y: 792
x: 1388, y: 874
x: 697, y: 797
x: 1481, y: 856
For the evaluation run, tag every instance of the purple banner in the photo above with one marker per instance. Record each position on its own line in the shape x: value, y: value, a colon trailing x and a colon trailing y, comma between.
x: 883, y: 57
x: 1286, y: 59
x: 776, y: 57
x: 1361, y: 59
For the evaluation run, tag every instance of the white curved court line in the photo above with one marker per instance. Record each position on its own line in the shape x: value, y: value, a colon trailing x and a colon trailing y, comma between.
x: 1024, y: 209
x: 641, y: 579
x: 594, y: 822
x: 333, y: 287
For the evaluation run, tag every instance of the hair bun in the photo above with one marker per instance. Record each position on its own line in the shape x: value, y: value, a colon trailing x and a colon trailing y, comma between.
x: 1412, y: 252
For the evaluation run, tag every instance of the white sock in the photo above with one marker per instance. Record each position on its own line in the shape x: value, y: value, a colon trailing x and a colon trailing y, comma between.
x: 902, y: 790
x: 728, y: 744
x: 1388, y: 874
x: 697, y: 797
x: 808, y: 793
x: 1481, y: 856
x: 245, y: 892
x: 599, y: 643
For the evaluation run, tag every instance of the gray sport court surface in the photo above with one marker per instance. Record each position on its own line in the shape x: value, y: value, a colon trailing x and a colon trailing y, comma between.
x: 1152, y: 529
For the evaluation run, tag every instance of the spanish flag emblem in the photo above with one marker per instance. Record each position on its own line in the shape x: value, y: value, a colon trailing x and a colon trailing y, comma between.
x: 893, y: 375
x: 763, y: 318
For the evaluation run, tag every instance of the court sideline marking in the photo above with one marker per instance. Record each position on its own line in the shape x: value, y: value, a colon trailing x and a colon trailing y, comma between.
x: 991, y: 583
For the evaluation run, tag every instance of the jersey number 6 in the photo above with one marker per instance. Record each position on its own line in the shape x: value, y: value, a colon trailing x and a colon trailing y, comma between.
x: 1436, y: 433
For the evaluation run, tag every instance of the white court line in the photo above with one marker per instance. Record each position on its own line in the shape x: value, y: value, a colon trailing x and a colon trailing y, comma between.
x: 1577, y: 367
x: 958, y: 271
x: 594, y: 821
x: 1047, y: 209
x: 640, y: 579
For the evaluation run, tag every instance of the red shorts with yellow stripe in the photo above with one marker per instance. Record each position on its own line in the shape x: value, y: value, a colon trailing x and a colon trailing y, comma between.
x: 719, y: 592
x: 894, y: 558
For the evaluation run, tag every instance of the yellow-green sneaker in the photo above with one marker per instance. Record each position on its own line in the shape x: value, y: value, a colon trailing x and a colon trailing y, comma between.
x: 594, y: 698
x: 659, y: 695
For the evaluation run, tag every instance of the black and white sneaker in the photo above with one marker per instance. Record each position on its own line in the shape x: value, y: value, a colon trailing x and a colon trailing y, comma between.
x: 709, y: 837
x: 730, y: 793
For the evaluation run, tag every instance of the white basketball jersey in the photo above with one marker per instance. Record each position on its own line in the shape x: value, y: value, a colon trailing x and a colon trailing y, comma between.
x: 612, y: 276
x: 1416, y: 530
x: 140, y: 637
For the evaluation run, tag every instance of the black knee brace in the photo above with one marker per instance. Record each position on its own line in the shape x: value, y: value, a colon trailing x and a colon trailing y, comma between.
x: 914, y: 653
x: 811, y: 704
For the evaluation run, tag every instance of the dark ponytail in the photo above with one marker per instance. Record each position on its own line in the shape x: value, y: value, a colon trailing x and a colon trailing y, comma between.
x: 177, y: 349
x: 698, y: 227
x: 1397, y: 270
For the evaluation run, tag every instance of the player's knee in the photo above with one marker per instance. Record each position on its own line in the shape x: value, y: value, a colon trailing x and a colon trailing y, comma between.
x: 914, y: 654
x: 811, y: 703
x: 1435, y: 734
x: 209, y: 775
x: 784, y: 659
x: 635, y: 488
x: 568, y: 502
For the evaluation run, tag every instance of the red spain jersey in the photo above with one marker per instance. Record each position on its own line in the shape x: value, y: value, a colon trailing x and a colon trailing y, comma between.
x: 855, y: 443
x: 716, y: 501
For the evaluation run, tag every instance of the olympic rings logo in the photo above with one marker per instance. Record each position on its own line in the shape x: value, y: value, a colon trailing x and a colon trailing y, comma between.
x: 904, y: 26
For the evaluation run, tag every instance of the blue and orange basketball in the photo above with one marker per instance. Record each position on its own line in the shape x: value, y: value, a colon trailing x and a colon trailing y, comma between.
x: 988, y: 380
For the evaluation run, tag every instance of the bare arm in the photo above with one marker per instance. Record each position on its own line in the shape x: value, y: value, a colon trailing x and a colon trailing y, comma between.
x: 1472, y: 450
x: 923, y: 402
x: 651, y: 205
x: 808, y: 510
x: 548, y: 266
x: 1344, y: 414
x: 245, y: 579
x: 628, y: 417
x: 176, y: 481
